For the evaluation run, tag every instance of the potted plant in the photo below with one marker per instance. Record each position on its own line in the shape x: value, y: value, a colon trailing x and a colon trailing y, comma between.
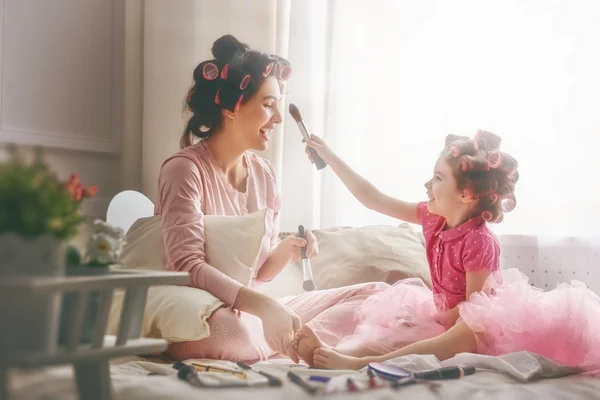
x: 103, y: 250
x: 39, y: 214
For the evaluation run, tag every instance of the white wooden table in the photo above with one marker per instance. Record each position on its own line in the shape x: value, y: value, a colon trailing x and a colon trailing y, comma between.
x: 90, y: 360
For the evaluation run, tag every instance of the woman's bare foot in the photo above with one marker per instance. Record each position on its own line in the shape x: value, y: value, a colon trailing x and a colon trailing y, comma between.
x: 329, y: 359
x: 305, y: 342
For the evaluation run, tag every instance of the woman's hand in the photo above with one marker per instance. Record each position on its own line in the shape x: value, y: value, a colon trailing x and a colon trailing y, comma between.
x: 292, y: 246
x: 279, y: 325
x: 321, y: 148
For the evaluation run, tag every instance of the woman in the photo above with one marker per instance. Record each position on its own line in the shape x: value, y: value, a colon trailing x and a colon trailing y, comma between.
x: 234, y: 108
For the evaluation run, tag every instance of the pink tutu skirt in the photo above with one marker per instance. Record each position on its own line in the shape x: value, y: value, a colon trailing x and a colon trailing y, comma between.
x: 402, y: 314
x: 562, y: 324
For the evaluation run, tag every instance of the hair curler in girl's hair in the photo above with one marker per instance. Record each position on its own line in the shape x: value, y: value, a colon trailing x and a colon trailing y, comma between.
x: 490, y: 140
x: 509, y: 203
x: 494, y: 159
x: 487, y: 216
x: 493, y: 196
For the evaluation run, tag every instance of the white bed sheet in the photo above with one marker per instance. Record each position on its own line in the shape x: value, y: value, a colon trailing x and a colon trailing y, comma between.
x: 131, y: 381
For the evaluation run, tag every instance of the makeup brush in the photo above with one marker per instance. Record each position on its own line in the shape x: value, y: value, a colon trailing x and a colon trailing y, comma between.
x: 309, y: 283
x: 319, y: 163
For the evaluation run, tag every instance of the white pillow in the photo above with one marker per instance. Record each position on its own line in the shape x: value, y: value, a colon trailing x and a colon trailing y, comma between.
x: 179, y: 313
x: 144, y: 246
x: 368, y: 254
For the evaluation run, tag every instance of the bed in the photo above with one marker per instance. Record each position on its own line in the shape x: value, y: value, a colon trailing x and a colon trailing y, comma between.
x: 141, y: 378
x: 359, y: 255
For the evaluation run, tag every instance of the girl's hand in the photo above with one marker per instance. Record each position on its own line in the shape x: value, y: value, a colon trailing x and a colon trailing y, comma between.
x: 321, y: 148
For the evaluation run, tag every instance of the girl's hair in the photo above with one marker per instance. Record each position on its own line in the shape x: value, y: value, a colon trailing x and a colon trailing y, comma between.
x: 484, y: 172
x: 230, y: 79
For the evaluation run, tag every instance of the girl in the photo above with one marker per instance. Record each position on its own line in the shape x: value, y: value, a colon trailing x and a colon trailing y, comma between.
x: 472, y: 307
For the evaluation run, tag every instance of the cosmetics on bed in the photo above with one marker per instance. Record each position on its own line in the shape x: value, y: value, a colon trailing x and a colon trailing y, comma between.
x: 273, y: 380
x: 307, y: 275
x: 445, y: 373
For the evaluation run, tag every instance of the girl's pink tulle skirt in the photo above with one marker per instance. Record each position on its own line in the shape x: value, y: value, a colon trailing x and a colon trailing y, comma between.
x: 562, y: 324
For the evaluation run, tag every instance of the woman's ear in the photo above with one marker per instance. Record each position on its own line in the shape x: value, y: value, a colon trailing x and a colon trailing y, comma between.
x: 229, y: 114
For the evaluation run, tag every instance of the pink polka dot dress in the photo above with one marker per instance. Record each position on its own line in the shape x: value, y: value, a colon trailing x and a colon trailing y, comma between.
x: 508, y: 316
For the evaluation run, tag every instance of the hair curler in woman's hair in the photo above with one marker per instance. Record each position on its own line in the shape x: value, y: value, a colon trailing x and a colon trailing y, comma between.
x: 268, y: 69
x: 210, y: 71
x: 285, y: 73
x: 225, y: 72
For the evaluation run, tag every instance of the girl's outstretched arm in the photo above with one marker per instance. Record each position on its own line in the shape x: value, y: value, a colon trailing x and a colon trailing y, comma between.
x: 362, y: 189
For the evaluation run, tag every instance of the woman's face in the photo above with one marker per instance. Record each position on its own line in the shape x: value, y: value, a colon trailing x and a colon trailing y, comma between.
x: 256, y: 118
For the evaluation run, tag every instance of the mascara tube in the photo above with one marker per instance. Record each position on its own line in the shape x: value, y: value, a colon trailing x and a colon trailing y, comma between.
x: 445, y: 373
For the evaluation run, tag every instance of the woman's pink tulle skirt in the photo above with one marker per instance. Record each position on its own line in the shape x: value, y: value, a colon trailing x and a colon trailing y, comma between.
x: 562, y: 324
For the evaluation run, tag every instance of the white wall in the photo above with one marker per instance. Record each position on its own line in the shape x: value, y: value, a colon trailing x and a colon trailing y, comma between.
x: 61, y: 87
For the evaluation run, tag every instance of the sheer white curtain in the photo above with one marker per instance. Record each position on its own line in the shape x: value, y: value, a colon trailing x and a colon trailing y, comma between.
x: 396, y: 76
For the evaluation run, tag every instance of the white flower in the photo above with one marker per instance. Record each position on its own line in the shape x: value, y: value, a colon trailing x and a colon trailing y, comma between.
x: 103, y: 249
x: 101, y: 226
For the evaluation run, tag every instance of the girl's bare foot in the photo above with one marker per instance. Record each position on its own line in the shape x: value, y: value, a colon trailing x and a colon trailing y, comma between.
x: 305, y: 342
x: 329, y: 359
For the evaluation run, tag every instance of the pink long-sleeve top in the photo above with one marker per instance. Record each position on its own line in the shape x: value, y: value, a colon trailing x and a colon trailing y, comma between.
x: 191, y: 185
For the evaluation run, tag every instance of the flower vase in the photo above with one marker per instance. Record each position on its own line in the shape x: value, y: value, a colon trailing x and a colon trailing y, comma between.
x: 33, y: 318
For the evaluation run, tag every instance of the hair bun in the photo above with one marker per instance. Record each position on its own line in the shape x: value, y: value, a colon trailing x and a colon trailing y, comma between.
x: 226, y: 47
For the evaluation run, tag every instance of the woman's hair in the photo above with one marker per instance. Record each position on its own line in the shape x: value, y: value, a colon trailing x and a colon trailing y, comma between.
x: 483, y: 172
x: 230, y: 79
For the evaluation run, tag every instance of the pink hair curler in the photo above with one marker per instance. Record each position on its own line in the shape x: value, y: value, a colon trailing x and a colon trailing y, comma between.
x: 268, y: 69
x: 508, y: 204
x: 210, y: 71
x: 487, y: 216
x: 464, y: 164
x: 475, y: 145
x: 239, y: 102
x: 494, y: 159
x: 245, y: 82
x: 217, y: 99
x: 285, y: 73
x: 225, y: 72
x: 455, y: 151
x: 493, y: 196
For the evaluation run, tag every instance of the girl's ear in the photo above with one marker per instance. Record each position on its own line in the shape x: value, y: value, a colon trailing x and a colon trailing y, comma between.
x: 466, y: 196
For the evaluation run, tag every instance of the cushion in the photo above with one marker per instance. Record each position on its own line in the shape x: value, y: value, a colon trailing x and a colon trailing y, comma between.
x: 379, y: 253
x: 179, y: 313
x: 144, y: 246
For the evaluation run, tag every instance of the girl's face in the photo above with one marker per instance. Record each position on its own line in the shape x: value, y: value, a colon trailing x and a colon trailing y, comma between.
x: 445, y: 199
